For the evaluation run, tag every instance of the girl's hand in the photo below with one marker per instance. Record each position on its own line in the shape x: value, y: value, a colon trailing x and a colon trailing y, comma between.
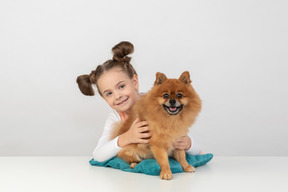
x: 183, y: 143
x: 138, y: 133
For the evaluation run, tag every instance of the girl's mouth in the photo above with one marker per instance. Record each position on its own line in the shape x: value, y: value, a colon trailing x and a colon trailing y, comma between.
x: 122, y: 102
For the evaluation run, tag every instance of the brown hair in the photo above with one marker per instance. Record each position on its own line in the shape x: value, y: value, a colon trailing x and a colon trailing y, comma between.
x: 120, y: 59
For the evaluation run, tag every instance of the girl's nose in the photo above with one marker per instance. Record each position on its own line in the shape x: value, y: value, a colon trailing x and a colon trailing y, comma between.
x: 117, y: 96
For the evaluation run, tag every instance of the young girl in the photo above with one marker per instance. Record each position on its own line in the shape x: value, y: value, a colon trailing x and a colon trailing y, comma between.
x: 117, y: 83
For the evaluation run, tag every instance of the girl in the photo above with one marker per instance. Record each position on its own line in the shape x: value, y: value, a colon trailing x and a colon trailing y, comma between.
x: 117, y: 82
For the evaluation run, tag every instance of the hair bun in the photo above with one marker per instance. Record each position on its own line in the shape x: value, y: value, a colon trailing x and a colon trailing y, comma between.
x: 121, y: 50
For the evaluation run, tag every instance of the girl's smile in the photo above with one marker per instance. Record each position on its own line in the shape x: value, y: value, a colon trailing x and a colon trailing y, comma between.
x: 122, y: 102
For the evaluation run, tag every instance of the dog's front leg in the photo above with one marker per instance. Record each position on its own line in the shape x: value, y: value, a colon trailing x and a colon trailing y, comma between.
x: 161, y: 156
x: 180, y: 156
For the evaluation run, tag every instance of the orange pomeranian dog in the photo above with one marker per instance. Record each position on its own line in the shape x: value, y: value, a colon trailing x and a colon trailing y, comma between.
x: 170, y: 108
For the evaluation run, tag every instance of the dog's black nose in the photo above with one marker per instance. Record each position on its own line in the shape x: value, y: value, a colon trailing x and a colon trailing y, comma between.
x: 172, y: 102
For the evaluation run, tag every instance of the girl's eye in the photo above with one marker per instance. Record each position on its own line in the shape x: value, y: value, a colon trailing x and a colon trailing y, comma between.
x: 108, y: 94
x: 166, y: 95
x: 179, y: 95
x: 122, y: 86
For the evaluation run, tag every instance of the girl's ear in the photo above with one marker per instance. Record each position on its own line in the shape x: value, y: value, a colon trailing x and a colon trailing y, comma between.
x: 135, y: 82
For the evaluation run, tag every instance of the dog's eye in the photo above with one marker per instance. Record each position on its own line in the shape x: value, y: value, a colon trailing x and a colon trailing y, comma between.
x: 179, y: 95
x: 166, y: 95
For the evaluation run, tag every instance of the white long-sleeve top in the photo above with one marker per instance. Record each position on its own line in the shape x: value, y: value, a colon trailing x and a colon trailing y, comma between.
x: 107, y: 148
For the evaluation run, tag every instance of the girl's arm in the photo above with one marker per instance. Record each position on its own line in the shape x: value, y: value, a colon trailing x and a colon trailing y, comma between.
x: 194, y: 146
x: 138, y: 133
x: 107, y: 148
x: 188, y: 144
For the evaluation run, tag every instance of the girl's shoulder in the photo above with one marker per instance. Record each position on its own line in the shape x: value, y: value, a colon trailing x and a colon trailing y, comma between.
x: 114, y: 116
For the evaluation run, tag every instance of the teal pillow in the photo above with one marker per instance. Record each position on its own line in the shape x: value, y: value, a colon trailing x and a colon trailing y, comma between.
x: 150, y: 166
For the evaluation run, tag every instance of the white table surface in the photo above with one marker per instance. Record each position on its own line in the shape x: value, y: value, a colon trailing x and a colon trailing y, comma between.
x: 75, y: 174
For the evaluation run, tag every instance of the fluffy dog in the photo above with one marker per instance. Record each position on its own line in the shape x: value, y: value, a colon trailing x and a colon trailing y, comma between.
x: 170, y: 108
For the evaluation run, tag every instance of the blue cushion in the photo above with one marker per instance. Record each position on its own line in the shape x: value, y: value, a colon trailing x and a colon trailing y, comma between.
x: 150, y: 166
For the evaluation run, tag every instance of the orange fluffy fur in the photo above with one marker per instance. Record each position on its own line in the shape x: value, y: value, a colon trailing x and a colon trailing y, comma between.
x: 165, y: 128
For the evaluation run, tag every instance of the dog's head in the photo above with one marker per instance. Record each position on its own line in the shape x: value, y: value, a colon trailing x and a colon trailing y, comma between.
x: 174, y: 95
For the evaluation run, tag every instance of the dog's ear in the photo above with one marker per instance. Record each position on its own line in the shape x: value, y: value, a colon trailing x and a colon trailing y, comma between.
x: 160, y: 78
x: 185, y: 77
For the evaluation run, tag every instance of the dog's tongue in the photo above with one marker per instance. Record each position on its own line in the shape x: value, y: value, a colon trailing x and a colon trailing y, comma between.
x: 172, y: 108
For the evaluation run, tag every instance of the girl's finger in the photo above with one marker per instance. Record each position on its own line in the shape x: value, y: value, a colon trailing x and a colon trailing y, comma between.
x: 137, y: 120
x: 176, y: 146
x: 142, y: 123
x: 143, y: 129
x: 181, y: 140
x: 145, y: 135
x: 144, y: 141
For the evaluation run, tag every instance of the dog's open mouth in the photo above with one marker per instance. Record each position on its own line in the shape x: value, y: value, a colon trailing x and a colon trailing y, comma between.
x: 173, y: 110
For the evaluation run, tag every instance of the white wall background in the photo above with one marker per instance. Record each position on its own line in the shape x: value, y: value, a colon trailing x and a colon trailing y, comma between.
x: 236, y: 52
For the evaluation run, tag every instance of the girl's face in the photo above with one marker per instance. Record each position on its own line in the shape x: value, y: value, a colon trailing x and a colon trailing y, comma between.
x: 118, y: 90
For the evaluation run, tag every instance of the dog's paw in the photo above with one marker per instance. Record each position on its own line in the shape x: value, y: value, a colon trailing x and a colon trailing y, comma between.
x: 133, y: 165
x: 167, y: 175
x: 189, y: 168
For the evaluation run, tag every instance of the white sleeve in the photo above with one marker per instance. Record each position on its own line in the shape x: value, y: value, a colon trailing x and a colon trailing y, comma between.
x: 195, y: 147
x: 107, y: 148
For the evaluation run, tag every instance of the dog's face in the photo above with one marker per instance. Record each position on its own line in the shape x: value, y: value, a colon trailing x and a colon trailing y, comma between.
x: 173, y: 95
x: 172, y: 103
